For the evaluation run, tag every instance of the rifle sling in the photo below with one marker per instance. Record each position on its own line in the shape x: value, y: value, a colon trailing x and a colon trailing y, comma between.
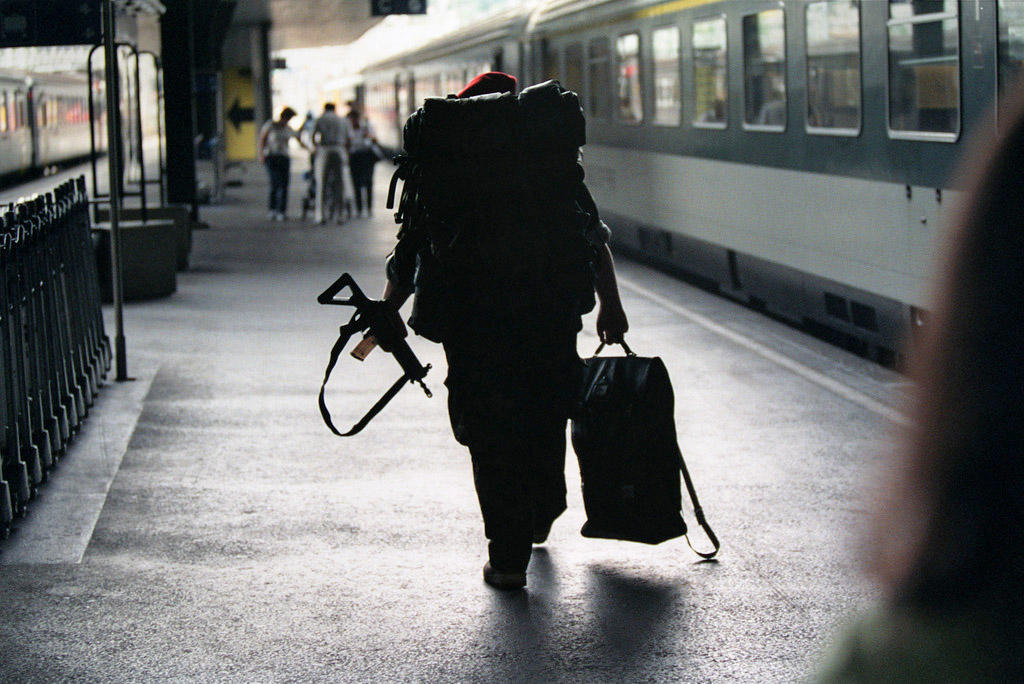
x: 346, y: 333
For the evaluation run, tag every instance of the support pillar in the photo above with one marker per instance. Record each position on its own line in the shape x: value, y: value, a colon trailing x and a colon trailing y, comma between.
x: 260, y: 61
x: 177, y: 55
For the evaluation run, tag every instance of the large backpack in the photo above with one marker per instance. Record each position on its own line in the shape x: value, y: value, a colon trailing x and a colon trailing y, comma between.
x: 490, y: 191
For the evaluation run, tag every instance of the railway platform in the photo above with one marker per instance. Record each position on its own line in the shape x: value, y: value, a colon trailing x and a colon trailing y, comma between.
x: 207, y: 527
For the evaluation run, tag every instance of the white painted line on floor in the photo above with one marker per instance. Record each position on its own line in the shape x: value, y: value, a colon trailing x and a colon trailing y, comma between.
x: 818, y: 378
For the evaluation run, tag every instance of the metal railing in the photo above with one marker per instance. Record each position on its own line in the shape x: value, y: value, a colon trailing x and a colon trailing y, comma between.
x: 54, y: 351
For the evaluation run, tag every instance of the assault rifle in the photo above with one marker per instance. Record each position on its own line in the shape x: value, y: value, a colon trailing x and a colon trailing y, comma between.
x: 375, y: 318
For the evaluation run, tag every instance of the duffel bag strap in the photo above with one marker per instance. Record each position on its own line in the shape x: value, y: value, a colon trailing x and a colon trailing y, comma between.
x: 698, y: 512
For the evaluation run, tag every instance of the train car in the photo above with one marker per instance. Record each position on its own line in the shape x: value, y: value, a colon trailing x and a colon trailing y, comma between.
x: 15, y: 127
x: 394, y: 88
x: 44, y: 121
x: 61, y: 123
x: 795, y: 155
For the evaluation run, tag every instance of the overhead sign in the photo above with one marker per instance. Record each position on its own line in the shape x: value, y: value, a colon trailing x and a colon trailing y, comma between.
x: 382, y: 8
x: 29, y: 23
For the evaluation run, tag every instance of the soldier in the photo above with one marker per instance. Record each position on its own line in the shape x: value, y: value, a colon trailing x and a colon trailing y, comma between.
x: 503, y: 273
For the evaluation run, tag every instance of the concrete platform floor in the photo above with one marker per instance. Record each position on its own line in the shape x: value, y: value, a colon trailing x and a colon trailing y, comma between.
x: 239, y: 541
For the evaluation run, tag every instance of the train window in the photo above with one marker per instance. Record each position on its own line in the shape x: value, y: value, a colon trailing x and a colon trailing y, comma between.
x: 631, y: 107
x: 403, y: 94
x: 574, y: 67
x: 709, y: 70
x: 764, y: 70
x: 3, y: 112
x: 1011, y: 41
x: 429, y: 87
x: 599, y: 77
x: 833, y: 67
x: 666, y: 76
x: 924, y: 69
x: 453, y: 82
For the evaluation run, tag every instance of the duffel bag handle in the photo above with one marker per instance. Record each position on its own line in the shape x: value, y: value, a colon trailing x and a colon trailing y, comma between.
x: 629, y: 352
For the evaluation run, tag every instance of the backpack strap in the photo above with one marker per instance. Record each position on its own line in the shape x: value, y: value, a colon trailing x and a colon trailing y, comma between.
x: 698, y: 512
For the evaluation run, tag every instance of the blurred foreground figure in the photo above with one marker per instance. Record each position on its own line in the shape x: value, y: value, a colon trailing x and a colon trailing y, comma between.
x: 947, y: 545
x: 504, y: 248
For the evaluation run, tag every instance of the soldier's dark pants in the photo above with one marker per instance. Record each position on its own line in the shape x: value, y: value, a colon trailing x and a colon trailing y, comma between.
x: 509, y: 402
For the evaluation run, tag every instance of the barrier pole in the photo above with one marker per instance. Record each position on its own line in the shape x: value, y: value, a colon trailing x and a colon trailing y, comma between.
x: 114, y: 163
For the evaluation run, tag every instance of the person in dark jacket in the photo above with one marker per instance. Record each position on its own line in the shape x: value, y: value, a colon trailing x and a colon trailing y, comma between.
x: 947, y: 543
x: 513, y: 374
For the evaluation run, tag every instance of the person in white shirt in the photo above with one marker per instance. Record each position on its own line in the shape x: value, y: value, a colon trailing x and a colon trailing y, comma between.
x: 363, y: 151
x: 330, y: 135
x: 273, y: 153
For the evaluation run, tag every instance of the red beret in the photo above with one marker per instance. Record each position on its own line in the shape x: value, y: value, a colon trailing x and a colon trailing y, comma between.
x: 490, y: 82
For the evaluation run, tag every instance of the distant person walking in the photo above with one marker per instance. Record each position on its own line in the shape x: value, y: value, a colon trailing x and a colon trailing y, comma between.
x: 362, y: 157
x: 273, y: 153
x: 947, y: 546
x: 330, y: 135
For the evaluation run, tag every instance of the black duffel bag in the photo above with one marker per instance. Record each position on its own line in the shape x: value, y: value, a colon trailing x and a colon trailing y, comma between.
x: 624, y: 435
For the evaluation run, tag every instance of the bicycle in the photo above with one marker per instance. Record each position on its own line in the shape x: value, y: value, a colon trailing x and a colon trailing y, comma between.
x: 335, y: 208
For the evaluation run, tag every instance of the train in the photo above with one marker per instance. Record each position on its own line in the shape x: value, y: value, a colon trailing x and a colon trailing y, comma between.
x: 799, y: 156
x: 44, y: 121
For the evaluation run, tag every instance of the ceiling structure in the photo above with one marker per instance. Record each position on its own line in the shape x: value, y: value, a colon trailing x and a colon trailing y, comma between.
x: 307, y: 23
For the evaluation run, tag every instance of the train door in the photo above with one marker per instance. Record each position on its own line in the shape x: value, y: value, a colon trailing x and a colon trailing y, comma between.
x: 545, y: 61
x: 33, y: 102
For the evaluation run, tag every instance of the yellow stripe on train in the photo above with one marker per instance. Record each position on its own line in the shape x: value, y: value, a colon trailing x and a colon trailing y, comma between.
x: 669, y: 8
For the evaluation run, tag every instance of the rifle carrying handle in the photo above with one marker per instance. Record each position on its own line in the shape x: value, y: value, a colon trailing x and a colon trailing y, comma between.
x: 356, y: 298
